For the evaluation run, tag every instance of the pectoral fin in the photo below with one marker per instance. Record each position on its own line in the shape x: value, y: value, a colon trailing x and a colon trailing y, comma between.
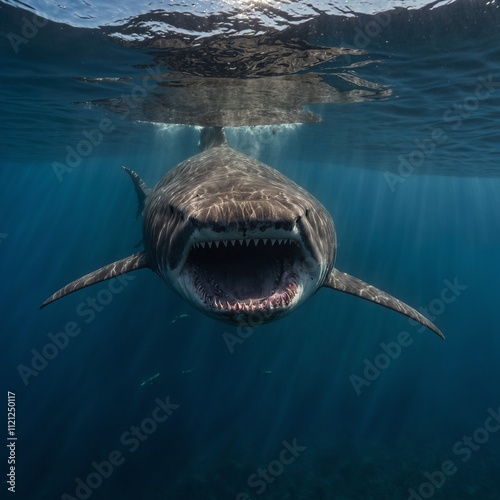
x: 136, y: 261
x: 349, y: 284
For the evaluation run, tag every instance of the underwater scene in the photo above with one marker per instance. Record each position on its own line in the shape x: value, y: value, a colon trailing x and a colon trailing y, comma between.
x: 250, y: 250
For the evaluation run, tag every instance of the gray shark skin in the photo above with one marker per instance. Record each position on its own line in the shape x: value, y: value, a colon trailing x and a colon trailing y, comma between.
x: 237, y: 239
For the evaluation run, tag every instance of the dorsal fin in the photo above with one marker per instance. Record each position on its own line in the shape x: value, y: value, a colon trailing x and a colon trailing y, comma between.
x: 349, y: 284
x: 141, y: 190
x: 131, y: 263
x: 211, y: 137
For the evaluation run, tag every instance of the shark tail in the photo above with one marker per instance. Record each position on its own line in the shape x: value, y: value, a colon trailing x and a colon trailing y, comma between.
x: 141, y: 190
x: 349, y: 284
x: 131, y: 263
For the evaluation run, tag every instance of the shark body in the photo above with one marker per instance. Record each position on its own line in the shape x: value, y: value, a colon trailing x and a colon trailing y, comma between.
x: 237, y: 239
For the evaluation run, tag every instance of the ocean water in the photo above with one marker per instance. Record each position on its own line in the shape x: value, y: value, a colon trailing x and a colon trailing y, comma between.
x: 123, y: 390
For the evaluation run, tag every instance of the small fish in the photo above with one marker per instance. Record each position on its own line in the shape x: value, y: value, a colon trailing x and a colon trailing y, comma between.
x: 180, y: 316
x: 150, y: 380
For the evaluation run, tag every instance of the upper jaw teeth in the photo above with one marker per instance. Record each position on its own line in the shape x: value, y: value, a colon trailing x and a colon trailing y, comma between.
x: 246, y: 242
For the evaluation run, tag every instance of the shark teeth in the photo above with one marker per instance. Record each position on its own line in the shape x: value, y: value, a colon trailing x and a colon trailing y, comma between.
x: 277, y: 300
x: 246, y: 242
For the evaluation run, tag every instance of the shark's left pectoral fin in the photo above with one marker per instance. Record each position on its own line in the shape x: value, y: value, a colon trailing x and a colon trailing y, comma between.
x: 131, y: 263
x: 349, y: 284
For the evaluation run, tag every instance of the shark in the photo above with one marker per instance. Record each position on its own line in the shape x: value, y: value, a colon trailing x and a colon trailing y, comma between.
x: 237, y: 239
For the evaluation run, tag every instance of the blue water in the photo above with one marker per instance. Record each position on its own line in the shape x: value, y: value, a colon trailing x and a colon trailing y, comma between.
x: 421, y: 423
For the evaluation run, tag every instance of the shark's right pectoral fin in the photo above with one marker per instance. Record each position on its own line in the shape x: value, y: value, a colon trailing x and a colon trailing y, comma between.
x: 136, y: 261
x: 349, y: 284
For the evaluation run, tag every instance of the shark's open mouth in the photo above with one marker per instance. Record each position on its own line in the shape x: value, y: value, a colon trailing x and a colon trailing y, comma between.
x: 245, y: 274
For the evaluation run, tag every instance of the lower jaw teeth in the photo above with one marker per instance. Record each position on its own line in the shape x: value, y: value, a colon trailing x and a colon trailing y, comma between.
x: 276, y: 300
x: 216, y: 303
